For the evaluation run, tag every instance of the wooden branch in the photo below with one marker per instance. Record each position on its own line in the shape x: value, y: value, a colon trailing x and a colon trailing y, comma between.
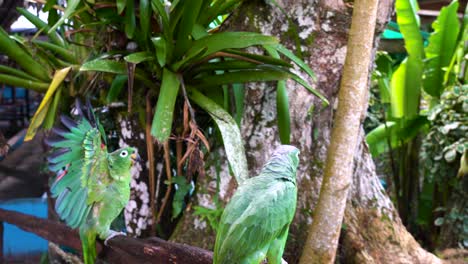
x: 56, y: 232
x: 121, y: 249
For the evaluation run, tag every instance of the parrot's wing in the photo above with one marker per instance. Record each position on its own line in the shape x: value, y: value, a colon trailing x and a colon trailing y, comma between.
x: 77, y: 161
x: 257, y: 214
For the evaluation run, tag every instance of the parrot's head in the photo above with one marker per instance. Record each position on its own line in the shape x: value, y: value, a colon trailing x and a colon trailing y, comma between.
x: 123, y: 159
x: 285, y: 159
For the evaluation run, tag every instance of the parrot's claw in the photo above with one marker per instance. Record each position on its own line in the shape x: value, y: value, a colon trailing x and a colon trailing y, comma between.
x: 113, y: 234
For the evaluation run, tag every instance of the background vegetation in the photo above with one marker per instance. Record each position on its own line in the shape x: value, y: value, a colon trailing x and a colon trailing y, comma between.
x: 418, y: 125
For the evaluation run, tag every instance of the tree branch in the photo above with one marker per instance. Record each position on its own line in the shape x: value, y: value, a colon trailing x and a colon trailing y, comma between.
x: 121, y: 249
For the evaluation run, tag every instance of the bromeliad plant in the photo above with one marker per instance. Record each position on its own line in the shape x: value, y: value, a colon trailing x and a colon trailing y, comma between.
x: 172, y: 52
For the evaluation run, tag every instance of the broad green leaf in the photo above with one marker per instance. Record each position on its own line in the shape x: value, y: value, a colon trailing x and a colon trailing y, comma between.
x: 405, y: 90
x: 115, y: 67
x: 187, y: 59
x: 441, y: 48
x: 455, y: 68
x: 16, y: 53
x: 379, y: 137
x: 37, y: 86
x: 145, y: 17
x: 160, y: 46
x: 130, y: 21
x: 16, y: 72
x: 162, y: 121
x: 41, y: 25
x: 407, y: 79
x: 229, y: 40
x: 229, y: 131
x: 408, y: 21
x: 121, y: 4
x: 71, y: 7
x: 139, y: 57
x: 383, y: 73
x: 396, y: 133
x: 185, y: 27
x: 43, y: 108
x: 103, y: 65
x: 198, y: 32
x: 116, y: 87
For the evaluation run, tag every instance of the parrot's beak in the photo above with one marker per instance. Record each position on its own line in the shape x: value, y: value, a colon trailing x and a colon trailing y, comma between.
x: 135, y: 158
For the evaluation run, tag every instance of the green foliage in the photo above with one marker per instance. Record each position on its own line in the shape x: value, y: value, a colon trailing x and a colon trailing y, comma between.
x: 440, y: 50
x: 182, y: 189
x: 442, y: 126
x: 442, y: 151
x: 169, y: 39
x: 407, y: 79
x: 162, y: 120
x: 170, y: 52
x: 213, y: 216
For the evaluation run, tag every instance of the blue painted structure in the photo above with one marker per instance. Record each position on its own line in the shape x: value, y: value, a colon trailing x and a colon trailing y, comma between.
x: 17, y: 241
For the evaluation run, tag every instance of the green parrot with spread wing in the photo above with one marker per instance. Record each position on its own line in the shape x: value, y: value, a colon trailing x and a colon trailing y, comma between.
x: 255, y: 223
x: 91, y: 185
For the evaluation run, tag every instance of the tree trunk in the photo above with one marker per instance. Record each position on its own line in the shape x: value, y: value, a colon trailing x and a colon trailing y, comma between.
x: 323, y: 234
x: 372, y: 231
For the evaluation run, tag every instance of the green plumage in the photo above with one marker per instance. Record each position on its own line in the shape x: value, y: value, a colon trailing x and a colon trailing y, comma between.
x: 92, y: 186
x: 255, y: 223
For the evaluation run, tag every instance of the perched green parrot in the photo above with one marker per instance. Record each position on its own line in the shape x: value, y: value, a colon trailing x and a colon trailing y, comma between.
x: 92, y: 186
x: 255, y: 223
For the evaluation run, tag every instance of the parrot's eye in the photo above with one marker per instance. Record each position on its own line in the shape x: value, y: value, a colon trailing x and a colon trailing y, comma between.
x: 124, y: 153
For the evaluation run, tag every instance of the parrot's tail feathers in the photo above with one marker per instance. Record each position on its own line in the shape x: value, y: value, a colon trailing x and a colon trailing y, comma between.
x: 88, y: 242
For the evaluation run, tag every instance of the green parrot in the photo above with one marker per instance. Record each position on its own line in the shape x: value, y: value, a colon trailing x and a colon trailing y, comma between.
x: 255, y: 223
x: 91, y: 185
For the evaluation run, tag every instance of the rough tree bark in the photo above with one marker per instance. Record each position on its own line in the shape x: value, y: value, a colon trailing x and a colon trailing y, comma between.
x: 372, y: 232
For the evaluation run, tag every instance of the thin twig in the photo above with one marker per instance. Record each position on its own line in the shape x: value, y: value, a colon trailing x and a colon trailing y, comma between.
x: 131, y: 79
x: 179, y: 148
x: 150, y: 154
x: 184, y: 92
x: 169, y: 178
